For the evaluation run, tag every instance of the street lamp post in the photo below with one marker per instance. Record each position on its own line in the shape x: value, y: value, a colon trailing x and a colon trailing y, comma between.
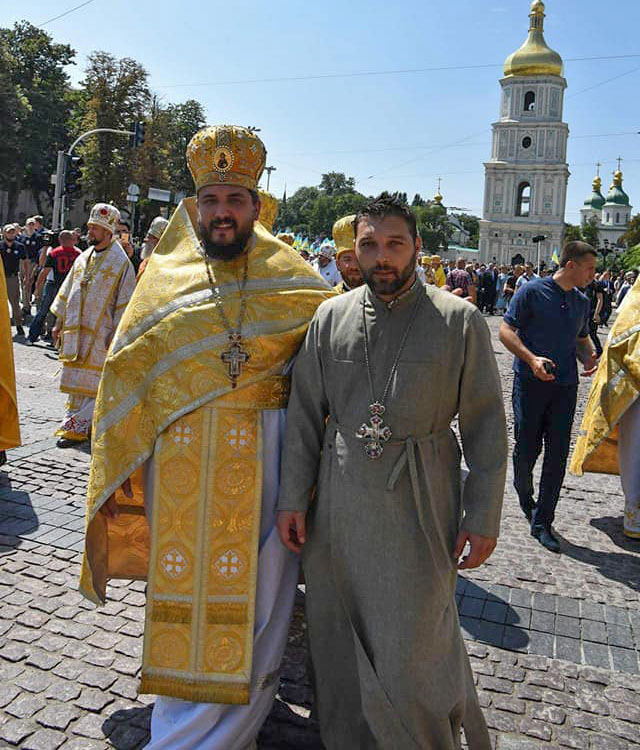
x: 269, y: 170
x: 538, y: 239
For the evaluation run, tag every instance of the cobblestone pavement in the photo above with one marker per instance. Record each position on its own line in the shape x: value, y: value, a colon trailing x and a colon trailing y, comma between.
x: 553, y: 640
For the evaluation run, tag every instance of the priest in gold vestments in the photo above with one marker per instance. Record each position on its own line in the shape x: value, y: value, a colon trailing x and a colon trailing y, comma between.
x: 344, y: 239
x: 191, y: 409
x: 9, y: 427
x: 609, y: 437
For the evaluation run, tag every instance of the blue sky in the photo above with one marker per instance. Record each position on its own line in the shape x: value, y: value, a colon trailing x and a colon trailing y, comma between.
x: 397, y: 131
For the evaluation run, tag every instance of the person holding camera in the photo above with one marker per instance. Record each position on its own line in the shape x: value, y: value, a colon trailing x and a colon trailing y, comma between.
x: 547, y: 328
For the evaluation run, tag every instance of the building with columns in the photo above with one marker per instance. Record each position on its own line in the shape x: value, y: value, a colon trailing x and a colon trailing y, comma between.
x: 612, y: 214
x: 526, y: 178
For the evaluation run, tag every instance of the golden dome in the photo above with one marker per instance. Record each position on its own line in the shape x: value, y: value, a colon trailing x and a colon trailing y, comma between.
x: 534, y: 58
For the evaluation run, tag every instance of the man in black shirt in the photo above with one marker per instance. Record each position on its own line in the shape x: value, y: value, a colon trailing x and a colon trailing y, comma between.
x: 12, y: 253
x: 595, y: 295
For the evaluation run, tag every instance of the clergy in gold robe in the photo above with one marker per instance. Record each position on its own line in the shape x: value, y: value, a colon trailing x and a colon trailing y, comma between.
x: 439, y: 275
x: 88, y: 307
x: 191, y: 406
x: 9, y: 426
x: 343, y: 237
x: 609, y: 437
x: 371, y: 491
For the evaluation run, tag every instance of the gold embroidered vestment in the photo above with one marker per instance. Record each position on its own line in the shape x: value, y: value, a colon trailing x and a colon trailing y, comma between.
x: 165, y: 392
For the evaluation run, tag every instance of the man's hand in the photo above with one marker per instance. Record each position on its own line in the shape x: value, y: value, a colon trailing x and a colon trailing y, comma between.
x: 481, y: 549
x: 55, y: 333
x: 590, y: 365
x: 110, y: 507
x: 292, y: 529
x: 537, y: 368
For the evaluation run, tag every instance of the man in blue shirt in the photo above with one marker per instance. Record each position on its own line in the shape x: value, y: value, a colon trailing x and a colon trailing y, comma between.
x: 547, y: 328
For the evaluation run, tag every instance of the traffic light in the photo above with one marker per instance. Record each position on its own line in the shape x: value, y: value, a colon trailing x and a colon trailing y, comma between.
x: 136, y: 138
x: 73, y: 174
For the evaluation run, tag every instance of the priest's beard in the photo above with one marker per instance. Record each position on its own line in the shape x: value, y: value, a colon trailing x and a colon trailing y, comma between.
x: 228, y: 250
x: 391, y: 285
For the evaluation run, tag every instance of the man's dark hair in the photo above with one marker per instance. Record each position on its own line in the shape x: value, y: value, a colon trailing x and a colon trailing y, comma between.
x: 576, y: 250
x: 39, y: 219
x: 126, y: 224
x: 254, y: 196
x: 387, y: 205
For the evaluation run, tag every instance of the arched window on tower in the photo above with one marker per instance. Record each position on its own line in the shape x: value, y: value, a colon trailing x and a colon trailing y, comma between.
x: 529, y: 101
x: 523, y: 201
x: 617, y: 217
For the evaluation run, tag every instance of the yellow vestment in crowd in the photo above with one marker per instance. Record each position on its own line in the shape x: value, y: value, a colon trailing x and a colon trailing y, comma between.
x: 615, y: 387
x: 165, y: 392
x: 9, y: 426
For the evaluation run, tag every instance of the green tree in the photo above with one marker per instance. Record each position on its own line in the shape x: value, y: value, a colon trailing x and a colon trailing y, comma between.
x: 572, y: 233
x: 183, y: 122
x: 631, y: 237
x: 116, y: 95
x: 472, y: 224
x: 590, y: 232
x: 335, y: 183
x: 14, y: 113
x: 433, y: 227
x: 36, y: 70
x: 630, y: 259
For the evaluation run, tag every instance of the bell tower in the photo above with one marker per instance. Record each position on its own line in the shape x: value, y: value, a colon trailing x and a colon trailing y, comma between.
x: 526, y: 178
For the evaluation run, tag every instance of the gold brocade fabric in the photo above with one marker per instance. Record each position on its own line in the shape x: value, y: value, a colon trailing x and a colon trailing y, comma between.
x: 166, y: 391
x: 439, y: 275
x: 615, y: 387
x: 9, y: 426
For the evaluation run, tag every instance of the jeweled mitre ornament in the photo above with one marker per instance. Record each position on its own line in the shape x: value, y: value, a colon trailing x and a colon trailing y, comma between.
x: 226, y: 155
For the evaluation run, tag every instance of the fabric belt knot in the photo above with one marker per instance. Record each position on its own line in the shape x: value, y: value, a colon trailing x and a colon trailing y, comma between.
x: 408, y: 458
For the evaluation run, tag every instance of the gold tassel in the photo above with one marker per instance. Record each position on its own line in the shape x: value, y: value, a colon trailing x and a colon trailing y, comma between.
x: 190, y: 690
x: 170, y: 612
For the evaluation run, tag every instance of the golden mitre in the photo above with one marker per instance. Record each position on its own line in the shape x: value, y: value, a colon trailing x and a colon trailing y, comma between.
x: 343, y: 234
x: 226, y: 155
x: 268, y: 209
x: 286, y: 237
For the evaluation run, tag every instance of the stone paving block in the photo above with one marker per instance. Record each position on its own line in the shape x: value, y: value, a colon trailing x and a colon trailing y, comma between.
x: 25, y: 705
x: 592, y: 611
x: 625, y: 660
x: 541, y: 643
x: 544, y: 602
x: 549, y: 714
x: 616, y: 616
x: 14, y: 652
x: 8, y: 692
x: 57, y: 715
x: 568, y: 648
x: 568, y: 607
x: 471, y: 607
x: 98, y: 678
x: 34, y: 681
x: 44, y: 739
x: 594, y: 631
x: 520, y: 598
x: 64, y: 691
x: 568, y: 626
x: 543, y: 621
x: 515, y: 639
x: 572, y: 738
x: 15, y: 731
x: 495, y: 611
x: 90, y: 726
x: 520, y: 616
x: 619, y: 635
x: 596, y: 655
x: 94, y: 700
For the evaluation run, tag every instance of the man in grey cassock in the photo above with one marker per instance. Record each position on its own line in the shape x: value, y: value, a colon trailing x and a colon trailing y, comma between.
x: 371, y: 493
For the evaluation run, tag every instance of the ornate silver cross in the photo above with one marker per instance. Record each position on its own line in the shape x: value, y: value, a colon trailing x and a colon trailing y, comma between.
x: 376, y: 432
x: 234, y: 357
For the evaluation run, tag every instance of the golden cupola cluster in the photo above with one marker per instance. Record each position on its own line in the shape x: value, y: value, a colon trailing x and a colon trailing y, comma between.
x: 535, y: 57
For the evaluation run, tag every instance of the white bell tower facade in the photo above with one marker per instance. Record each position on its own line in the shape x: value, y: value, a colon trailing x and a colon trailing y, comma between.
x: 526, y: 179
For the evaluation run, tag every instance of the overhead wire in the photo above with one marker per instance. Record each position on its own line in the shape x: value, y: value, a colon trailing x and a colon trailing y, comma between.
x: 66, y: 12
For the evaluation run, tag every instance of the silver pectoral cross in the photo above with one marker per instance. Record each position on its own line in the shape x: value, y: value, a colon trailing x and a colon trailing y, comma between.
x: 375, y: 433
x: 234, y: 357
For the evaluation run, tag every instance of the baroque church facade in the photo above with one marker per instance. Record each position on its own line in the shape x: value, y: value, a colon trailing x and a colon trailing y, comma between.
x: 526, y: 178
x: 611, y: 215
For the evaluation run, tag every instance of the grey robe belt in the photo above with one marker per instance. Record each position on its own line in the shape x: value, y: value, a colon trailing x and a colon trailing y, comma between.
x: 406, y: 458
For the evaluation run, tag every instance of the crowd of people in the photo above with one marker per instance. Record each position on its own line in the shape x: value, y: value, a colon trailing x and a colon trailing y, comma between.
x: 246, y: 401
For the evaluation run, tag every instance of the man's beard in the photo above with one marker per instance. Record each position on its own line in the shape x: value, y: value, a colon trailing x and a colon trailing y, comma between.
x: 352, y: 279
x: 229, y: 250
x: 390, y: 286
